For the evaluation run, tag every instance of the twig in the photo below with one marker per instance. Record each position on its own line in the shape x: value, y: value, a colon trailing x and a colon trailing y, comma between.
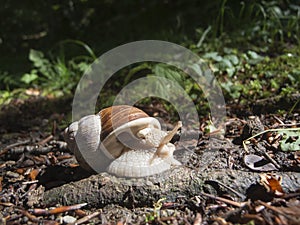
x: 275, y: 98
x: 42, y: 212
x: 44, y: 141
x: 237, y: 204
x: 290, y: 216
x: 279, y: 120
x: 31, y: 217
x: 86, y: 218
x: 30, y: 182
x: 271, y: 159
x: 266, y: 131
x: 7, y: 204
x: 289, y: 125
x: 257, y: 218
x: 230, y: 189
x: 6, y: 149
x: 198, y: 219
x: 282, y: 124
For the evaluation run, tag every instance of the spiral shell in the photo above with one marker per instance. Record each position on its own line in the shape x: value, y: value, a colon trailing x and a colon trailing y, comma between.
x: 122, y: 140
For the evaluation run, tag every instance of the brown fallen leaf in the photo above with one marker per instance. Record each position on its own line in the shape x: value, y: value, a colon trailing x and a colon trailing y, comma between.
x: 272, y: 183
x: 34, y: 173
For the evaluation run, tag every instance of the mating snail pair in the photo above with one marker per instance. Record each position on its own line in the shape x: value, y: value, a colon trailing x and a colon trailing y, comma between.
x: 123, y: 140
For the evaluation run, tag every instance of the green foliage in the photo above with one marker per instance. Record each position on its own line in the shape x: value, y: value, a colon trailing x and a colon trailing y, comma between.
x: 51, y: 75
x: 247, y: 77
x: 290, y: 140
x: 29, y: 78
x: 168, y: 72
x: 7, y: 96
x: 279, y: 22
x: 251, y: 46
x: 8, y: 82
x: 263, y: 26
x: 57, y: 76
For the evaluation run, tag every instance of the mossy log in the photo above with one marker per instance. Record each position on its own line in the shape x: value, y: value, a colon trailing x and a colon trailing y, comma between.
x: 103, y: 189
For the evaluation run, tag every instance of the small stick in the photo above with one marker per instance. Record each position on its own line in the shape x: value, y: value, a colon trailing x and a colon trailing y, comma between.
x: 255, y: 218
x: 198, y: 219
x: 7, y: 204
x: 6, y: 149
x: 42, y: 212
x: 30, y: 182
x: 86, y: 218
x: 44, y: 141
x: 290, y: 215
x: 31, y: 217
x: 271, y: 159
x: 278, y: 120
x: 237, y: 204
x: 266, y: 131
x: 230, y: 189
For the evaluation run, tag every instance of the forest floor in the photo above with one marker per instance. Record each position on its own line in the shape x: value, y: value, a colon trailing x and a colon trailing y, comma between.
x: 258, y: 181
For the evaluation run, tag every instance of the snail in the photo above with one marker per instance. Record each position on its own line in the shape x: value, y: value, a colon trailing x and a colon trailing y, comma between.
x: 122, y: 140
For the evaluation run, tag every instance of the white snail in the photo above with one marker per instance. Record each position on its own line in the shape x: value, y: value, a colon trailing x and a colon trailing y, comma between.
x: 123, y: 140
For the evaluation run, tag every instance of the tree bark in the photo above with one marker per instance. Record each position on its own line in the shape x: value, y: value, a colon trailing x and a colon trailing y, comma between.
x: 103, y: 189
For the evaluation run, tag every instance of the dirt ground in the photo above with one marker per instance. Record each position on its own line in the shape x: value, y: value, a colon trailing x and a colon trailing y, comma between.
x: 242, y: 177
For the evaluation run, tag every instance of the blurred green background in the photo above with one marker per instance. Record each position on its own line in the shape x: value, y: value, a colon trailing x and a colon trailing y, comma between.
x: 251, y: 46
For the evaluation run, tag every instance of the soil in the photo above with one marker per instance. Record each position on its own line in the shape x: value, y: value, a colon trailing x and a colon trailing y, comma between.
x: 222, y: 180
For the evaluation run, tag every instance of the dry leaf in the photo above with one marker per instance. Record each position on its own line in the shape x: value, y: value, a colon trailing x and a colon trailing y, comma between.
x: 272, y: 183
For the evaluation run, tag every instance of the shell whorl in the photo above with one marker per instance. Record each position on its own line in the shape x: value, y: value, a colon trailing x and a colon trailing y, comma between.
x: 116, y: 116
x: 96, y: 141
x: 120, y: 125
x: 69, y: 135
x: 87, y: 140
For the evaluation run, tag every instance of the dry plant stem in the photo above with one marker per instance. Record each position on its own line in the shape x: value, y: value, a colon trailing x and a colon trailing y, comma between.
x: 7, y: 204
x: 255, y: 218
x: 227, y: 201
x: 30, y: 182
x: 289, y: 125
x: 265, y: 131
x: 6, y: 149
x: 292, y: 217
x: 61, y: 209
x: 86, y: 218
x: 271, y: 160
x: 231, y: 189
x: 198, y: 219
x: 31, y: 217
x: 279, y: 120
x: 103, y: 189
x: 46, y: 140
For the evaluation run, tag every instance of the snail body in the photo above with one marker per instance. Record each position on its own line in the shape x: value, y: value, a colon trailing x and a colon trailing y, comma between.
x: 122, y: 140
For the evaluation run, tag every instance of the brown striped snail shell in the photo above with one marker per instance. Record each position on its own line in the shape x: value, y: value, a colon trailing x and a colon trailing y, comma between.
x: 124, y: 140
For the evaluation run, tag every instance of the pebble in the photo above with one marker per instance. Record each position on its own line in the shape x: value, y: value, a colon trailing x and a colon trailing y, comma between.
x: 12, y: 174
x: 69, y: 219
